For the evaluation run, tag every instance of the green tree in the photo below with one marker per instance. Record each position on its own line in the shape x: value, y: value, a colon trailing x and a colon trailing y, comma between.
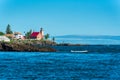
x: 1, y: 33
x: 53, y: 39
x: 8, y: 29
x: 47, y: 36
x: 27, y: 35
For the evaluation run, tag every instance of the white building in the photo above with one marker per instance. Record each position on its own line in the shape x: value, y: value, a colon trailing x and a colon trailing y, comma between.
x: 4, y: 38
x: 18, y: 35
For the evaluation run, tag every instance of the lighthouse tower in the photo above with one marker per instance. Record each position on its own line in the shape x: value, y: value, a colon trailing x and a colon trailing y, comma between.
x: 41, y: 32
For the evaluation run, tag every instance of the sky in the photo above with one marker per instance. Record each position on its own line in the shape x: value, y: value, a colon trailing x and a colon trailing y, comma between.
x: 62, y: 17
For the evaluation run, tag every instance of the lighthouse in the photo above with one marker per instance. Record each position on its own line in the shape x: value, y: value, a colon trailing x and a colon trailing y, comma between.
x: 37, y: 35
x: 42, y: 33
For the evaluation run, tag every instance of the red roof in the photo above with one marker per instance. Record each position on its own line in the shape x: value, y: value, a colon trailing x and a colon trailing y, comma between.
x: 34, y: 34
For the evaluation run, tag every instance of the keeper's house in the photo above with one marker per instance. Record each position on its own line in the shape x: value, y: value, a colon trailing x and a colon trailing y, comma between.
x: 37, y: 35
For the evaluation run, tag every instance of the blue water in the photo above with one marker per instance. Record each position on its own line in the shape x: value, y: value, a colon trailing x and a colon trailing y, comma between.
x: 90, y: 48
x: 59, y: 66
x: 110, y: 41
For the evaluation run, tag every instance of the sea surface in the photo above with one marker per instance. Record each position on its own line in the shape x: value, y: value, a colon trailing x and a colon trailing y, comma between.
x: 59, y: 66
x: 100, y: 62
x: 93, y: 40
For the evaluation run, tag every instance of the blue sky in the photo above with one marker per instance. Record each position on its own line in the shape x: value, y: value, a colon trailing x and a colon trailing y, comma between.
x: 62, y: 17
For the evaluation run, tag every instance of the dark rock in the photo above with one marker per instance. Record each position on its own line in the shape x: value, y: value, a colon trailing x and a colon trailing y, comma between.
x: 24, y: 47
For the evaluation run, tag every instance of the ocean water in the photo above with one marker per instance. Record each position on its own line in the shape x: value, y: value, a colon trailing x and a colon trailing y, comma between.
x: 101, y: 62
x: 107, y: 41
x: 59, y: 66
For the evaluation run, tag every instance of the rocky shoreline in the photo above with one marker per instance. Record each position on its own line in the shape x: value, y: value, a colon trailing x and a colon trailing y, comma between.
x: 24, y: 47
x: 31, y: 46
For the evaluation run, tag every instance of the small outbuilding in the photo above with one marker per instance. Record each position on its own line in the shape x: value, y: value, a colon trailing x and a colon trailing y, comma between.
x: 4, y: 38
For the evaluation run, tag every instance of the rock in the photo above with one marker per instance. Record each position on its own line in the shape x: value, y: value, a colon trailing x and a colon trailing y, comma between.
x: 24, y: 47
